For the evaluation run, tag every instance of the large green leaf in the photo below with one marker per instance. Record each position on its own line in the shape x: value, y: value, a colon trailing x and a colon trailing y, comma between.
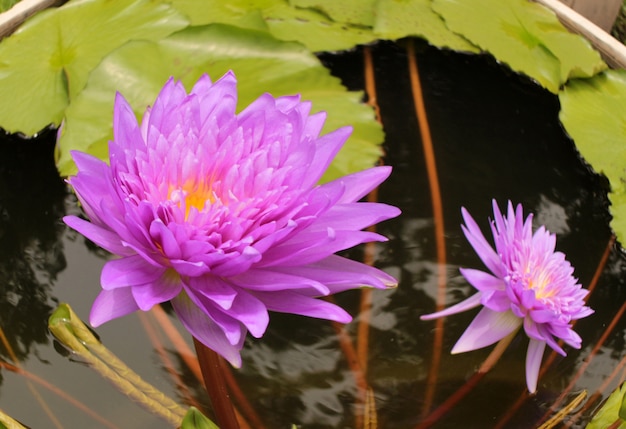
x: 400, y: 18
x: 360, y: 12
x: 593, y: 113
x: 240, y: 13
x: 47, y: 61
x: 311, y: 27
x: 525, y: 35
x: 261, y: 63
x: 315, y: 30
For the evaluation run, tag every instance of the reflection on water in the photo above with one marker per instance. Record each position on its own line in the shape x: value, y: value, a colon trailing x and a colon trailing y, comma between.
x: 495, y: 135
x: 31, y: 254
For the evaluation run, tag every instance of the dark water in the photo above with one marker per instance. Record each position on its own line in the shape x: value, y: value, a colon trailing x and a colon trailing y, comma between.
x: 495, y: 135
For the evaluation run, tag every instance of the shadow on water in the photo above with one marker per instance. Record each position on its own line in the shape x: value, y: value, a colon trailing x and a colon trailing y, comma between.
x: 495, y: 135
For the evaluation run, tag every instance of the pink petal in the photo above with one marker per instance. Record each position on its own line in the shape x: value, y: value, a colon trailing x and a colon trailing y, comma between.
x: 251, y: 312
x: 356, y: 216
x: 327, y: 147
x: 481, y: 280
x: 471, y: 302
x: 128, y: 271
x: 111, y: 304
x: 126, y: 131
x: 233, y: 329
x: 264, y: 280
x: 309, y: 247
x: 104, y: 238
x: 488, y: 327
x: 337, y: 274
x: 205, y: 330
x: 161, y: 290
x: 165, y: 239
x: 292, y: 302
x: 357, y: 185
x: 533, y: 363
x: 214, y: 288
x: 483, y: 249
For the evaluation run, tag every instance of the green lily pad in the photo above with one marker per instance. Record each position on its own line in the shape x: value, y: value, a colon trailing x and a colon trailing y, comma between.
x: 359, y: 12
x: 525, y: 35
x: 240, y: 13
x: 592, y: 112
x: 400, y: 18
x: 313, y: 29
x: 261, y: 63
x: 48, y: 59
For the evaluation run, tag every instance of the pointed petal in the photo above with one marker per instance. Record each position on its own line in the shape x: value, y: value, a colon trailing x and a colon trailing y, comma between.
x: 111, y: 304
x: 215, y: 289
x: 265, y: 280
x: 471, y: 302
x: 483, y: 249
x: 165, y: 239
x: 356, y: 216
x: 488, y: 327
x: 161, y: 290
x: 327, y: 147
x: 533, y: 363
x: 129, y: 271
x: 337, y: 274
x: 250, y: 311
x: 294, y: 303
x: 357, y: 185
x: 309, y: 247
x: 104, y: 238
x: 205, y: 330
x: 232, y: 328
x: 482, y: 280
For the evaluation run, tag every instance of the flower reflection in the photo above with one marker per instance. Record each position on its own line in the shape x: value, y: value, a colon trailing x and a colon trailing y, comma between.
x: 530, y: 285
x: 220, y: 213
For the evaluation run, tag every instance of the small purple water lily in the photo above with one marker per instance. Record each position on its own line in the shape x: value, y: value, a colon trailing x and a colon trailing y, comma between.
x: 530, y: 285
x: 222, y: 215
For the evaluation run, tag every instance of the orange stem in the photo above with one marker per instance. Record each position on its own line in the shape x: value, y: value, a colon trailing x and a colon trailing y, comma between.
x: 435, y: 193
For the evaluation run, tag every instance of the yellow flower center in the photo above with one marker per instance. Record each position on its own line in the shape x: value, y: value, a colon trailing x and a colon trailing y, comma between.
x: 192, y: 194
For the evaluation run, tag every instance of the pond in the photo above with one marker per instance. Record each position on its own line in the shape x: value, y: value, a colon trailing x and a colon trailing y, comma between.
x: 493, y: 134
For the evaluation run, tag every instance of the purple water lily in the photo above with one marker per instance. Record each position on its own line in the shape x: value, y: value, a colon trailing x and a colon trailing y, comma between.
x: 530, y: 285
x: 222, y: 215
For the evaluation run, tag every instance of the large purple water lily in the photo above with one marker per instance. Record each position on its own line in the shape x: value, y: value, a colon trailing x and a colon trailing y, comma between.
x: 530, y: 285
x: 222, y: 215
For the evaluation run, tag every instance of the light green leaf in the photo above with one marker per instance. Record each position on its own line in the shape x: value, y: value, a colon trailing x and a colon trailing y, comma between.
x: 314, y: 29
x: 7, y: 4
x: 310, y: 27
x: 194, y: 419
x: 593, y: 113
x: 525, y: 35
x: 608, y: 414
x: 240, y: 13
x: 400, y: 18
x: 622, y: 408
x: 47, y: 61
x: 261, y: 63
x: 359, y: 12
